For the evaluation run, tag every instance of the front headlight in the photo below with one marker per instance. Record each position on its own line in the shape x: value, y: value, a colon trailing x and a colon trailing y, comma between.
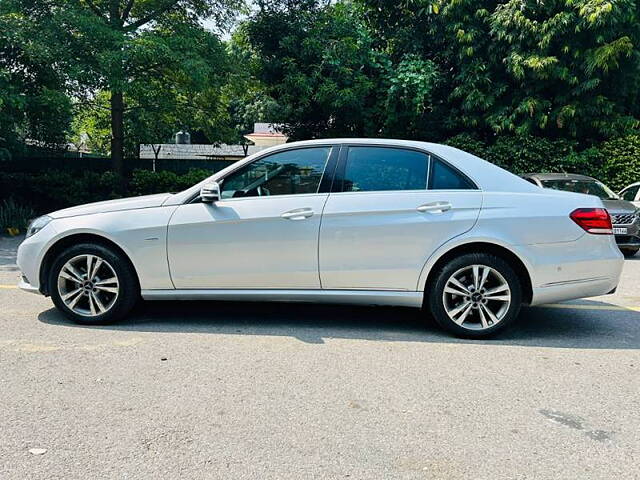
x: 37, y: 225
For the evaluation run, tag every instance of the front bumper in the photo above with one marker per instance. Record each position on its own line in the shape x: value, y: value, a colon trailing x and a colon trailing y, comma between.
x: 29, y: 258
x: 27, y: 287
x: 631, y: 238
x: 628, y: 241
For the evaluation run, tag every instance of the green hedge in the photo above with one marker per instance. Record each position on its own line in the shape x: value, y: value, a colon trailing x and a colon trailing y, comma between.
x: 52, y: 190
x: 615, y: 162
x: 620, y: 160
x: 520, y: 154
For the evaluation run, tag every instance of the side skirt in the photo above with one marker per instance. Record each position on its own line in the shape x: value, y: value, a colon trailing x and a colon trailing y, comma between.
x: 359, y: 297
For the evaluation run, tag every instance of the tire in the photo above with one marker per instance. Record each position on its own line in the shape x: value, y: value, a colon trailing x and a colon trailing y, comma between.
x: 476, y: 306
x: 629, y: 252
x: 96, y: 301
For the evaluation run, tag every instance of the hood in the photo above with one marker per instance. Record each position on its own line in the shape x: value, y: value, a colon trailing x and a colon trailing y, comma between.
x: 120, y: 204
x: 619, y: 206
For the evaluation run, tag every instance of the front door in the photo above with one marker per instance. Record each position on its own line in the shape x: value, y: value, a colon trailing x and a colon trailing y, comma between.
x: 392, y: 209
x: 263, y: 233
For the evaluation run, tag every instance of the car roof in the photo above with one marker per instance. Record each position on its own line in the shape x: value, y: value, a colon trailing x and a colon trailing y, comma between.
x: 558, y: 176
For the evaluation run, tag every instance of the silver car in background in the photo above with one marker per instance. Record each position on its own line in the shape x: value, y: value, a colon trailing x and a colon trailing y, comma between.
x: 625, y: 216
x: 360, y: 221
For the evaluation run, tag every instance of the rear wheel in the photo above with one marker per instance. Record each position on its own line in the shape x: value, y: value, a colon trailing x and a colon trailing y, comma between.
x: 475, y: 295
x: 93, y: 285
x: 629, y: 252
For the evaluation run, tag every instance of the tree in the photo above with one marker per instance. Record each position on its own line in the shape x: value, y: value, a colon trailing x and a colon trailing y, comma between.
x: 124, y: 47
x: 33, y: 103
x: 559, y: 68
x: 330, y: 77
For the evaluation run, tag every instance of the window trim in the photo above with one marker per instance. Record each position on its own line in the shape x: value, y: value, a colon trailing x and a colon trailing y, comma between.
x: 324, y: 184
x: 338, y: 178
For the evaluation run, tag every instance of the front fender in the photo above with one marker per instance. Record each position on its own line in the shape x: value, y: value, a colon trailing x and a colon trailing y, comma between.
x: 140, y: 234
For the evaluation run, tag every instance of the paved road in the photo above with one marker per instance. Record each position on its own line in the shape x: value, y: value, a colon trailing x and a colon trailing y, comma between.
x: 212, y: 390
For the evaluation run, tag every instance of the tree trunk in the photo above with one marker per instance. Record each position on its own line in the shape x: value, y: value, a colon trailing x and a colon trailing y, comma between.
x: 117, y: 133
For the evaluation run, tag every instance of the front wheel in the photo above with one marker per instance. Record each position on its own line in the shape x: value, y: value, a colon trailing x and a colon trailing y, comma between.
x: 93, y: 285
x: 475, y: 295
x: 629, y: 252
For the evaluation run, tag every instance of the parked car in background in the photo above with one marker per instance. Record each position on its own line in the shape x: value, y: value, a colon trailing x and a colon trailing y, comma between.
x: 625, y: 216
x: 631, y: 194
x: 379, y: 222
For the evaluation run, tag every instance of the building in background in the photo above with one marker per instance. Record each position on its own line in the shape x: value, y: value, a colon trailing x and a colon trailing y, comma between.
x: 264, y: 135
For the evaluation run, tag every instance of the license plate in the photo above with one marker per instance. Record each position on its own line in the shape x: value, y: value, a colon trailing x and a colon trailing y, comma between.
x: 619, y: 231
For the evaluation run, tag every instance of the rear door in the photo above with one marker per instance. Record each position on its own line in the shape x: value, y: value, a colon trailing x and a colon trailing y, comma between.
x: 390, y: 208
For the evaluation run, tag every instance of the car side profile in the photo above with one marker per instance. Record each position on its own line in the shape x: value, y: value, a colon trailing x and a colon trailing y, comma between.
x: 356, y: 221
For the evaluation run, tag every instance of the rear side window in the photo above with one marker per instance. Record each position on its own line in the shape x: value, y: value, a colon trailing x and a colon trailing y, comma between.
x: 370, y: 169
x: 444, y: 177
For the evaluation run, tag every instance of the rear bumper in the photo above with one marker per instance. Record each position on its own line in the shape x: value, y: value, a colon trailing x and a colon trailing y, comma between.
x: 588, y: 267
x: 572, y: 290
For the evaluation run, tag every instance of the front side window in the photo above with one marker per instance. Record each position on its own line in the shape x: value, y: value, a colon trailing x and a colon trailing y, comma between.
x: 630, y: 193
x: 295, y: 171
x: 370, y: 169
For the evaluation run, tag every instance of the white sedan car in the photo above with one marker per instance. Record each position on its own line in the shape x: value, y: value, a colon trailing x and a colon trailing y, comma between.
x: 377, y: 222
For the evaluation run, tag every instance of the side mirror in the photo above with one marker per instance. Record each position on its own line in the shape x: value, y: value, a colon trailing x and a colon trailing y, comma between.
x: 210, y: 192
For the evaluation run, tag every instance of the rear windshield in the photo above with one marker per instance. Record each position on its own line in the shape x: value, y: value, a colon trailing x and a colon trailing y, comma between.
x: 590, y: 187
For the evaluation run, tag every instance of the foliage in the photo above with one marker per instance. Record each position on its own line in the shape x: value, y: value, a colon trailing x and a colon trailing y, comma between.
x: 159, y: 65
x: 33, y: 104
x: 144, y: 182
x: 529, y: 85
x: 429, y: 69
x: 54, y: 189
x: 319, y: 63
x: 620, y: 159
x: 14, y: 215
x: 523, y: 153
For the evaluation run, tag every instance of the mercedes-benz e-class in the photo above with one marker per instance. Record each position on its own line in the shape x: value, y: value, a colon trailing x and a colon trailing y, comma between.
x: 360, y: 221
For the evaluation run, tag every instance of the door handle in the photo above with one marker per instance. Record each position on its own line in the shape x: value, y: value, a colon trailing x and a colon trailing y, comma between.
x: 435, y: 207
x: 297, y: 214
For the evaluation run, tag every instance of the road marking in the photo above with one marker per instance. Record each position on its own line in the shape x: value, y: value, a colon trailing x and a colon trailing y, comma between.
x: 569, y: 306
x: 582, y: 306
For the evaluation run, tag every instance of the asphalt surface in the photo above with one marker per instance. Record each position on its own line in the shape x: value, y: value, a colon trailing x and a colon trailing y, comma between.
x: 219, y: 390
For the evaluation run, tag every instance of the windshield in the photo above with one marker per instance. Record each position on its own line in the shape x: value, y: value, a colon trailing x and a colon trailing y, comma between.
x: 590, y: 187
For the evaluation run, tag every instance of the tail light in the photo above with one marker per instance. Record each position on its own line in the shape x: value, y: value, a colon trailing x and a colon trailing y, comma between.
x: 593, y: 220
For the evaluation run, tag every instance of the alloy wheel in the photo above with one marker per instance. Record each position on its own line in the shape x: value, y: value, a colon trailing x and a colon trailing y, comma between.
x: 88, y: 285
x: 477, y: 297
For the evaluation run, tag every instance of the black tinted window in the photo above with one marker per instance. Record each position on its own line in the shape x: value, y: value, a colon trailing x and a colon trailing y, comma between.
x: 285, y: 173
x: 630, y: 193
x: 377, y: 169
x: 444, y: 177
